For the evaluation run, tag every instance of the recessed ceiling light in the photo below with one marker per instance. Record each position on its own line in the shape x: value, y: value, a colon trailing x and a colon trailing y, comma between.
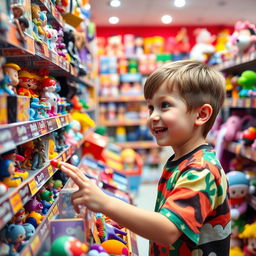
x: 113, y: 20
x: 115, y: 3
x: 166, y: 19
x: 179, y: 3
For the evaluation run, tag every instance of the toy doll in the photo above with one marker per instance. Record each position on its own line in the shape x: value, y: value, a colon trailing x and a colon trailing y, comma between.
x: 29, y: 83
x: 7, y: 173
x: 49, y: 88
x: 239, y: 190
x: 30, y: 230
x: 15, y: 235
x: 51, y: 149
x: 38, y: 155
x: 19, y: 20
x: 37, y: 22
x: 20, y: 217
x: 128, y: 158
x: 249, y: 234
x: 11, y: 70
x: 33, y: 205
x: 27, y: 149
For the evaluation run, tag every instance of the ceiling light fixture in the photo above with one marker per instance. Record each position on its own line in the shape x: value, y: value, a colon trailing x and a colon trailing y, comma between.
x: 179, y: 3
x: 115, y: 3
x: 113, y: 20
x: 166, y: 19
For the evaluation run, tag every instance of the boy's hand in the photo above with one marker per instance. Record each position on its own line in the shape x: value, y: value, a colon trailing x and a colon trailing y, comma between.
x: 88, y: 194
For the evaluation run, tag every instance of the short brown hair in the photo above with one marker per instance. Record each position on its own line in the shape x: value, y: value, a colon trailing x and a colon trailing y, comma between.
x: 196, y: 82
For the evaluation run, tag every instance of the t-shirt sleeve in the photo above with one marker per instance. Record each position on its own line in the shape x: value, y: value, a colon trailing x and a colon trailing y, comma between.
x: 190, y: 201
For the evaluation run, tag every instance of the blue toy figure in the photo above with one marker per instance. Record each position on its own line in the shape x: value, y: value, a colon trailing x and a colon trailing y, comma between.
x: 34, y: 108
x: 4, y: 86
x: 30, y: 230
x: 15, y: 235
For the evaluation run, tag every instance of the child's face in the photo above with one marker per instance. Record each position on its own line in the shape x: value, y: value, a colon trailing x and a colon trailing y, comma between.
x: 169, y: 121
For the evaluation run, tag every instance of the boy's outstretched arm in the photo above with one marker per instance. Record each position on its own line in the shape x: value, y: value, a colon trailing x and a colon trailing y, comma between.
x: 151, y: 225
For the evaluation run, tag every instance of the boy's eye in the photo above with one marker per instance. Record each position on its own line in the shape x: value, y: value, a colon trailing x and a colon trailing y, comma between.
x: 165, y: 105
x: 150, y: 109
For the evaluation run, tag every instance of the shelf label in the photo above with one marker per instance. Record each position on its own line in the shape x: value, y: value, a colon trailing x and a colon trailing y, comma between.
x: 16, y: 202
x: 5, y: 212
x: 22, y: 133
x: 30, y: 44
x: 46, y: 50
x: 42, y: 127
x: 58, y: 122
x: 35, y: 244
x: 34, y: 130
x: 50, y: 170
x: 42, y: 177
x: 6, y: 140
x: 33, y: 187
x: 44, y: 230
x: 50, y: 124
x: 25, y: 194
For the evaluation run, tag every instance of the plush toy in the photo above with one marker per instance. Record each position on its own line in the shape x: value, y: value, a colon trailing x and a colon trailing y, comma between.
x: 203, y: 48
x: 249, y: 234
x: 247, y: 80
x: 30, y: 230
x: 239, y: 190
x: 128, y: 158
x: 244, y: 38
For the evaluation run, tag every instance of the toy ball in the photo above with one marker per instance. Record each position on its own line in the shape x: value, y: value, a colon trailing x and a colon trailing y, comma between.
x: 115, y: 247
x: 3, y: 189
x: 67, y: 246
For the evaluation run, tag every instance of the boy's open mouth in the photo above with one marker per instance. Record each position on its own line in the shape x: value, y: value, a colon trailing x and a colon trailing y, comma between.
x: 160, y: 130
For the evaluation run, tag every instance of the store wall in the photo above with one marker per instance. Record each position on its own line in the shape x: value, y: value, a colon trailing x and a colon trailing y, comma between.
x: 148, y: 31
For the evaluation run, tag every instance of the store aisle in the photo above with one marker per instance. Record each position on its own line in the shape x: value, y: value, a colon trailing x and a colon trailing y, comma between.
x: 145, y: 199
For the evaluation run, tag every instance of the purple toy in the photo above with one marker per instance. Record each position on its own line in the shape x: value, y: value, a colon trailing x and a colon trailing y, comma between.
x: 33, y: 205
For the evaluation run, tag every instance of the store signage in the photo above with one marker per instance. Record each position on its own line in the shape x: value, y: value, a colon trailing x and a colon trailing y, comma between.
x: 22, y: 133
x: 34, y: 130
x: 42, y: 127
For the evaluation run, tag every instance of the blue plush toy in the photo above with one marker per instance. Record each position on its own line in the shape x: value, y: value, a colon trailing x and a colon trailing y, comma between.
x: 30, y: 230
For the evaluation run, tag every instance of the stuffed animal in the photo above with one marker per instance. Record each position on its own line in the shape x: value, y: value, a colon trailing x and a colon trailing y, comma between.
x: 203, y: 48
x: 244, y: 38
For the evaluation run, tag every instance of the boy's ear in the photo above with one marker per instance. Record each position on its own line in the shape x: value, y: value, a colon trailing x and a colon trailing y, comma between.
x: 204, y: 113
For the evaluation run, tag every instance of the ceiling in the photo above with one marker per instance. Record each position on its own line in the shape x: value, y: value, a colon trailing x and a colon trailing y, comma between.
x: 196, y: 12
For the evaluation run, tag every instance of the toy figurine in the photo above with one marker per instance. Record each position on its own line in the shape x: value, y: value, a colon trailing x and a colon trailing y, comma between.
x: 47, y: 196
x: 11, y: 70
x: 34, y: 218
x: 28, y: 149
x: 37, y: 22
x: 30, y: 230
x: 34, y: 109
x: 7, y: 173
x: 128, y: 158
x: 19, y: 20
x: 49, y: 88
x: 15, y: 235
x: 249, y: 234
x: 60, y: 46
x: 51, y: 149
x: 33, y: 205
x: 203, y: 48
x: 38, y: 155
x: 97, y: 250
x: 20, y: 217
x: 67, y: 245
x: 239, y: 190
x: 247, y: 80
x: 16, y: 158
x: 29, y: 83
x: 244, y: 38
x: 44, y: 109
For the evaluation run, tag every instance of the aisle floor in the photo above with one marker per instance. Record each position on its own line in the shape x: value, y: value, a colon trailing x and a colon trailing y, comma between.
x: 145, y: 199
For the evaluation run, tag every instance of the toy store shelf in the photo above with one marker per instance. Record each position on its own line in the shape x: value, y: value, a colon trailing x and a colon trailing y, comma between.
x: 84, y: 80
x: 19, y: 133
x: 50, y: 7
x: 239, y: 64
x: 128, y: 98
x: 237, y: 148
x: 124, y: 123
x: 10, y: 39
x: 19, y: 196
x: 137, y: 144
x: 240, y: 102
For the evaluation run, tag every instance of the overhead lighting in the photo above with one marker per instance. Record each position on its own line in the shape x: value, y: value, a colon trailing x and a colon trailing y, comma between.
x: 113, y: 20
x: 166, y: 19
x: 115, y: 3
x: 179, y: 3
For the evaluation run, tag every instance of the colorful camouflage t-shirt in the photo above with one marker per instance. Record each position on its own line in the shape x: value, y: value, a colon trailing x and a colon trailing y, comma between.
x: 193, y: 194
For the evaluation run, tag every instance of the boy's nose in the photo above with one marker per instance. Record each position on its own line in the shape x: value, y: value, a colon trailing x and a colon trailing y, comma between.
x: 155, y: 116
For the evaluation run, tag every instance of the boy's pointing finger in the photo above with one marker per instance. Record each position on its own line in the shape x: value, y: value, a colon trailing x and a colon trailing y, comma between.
x: 74, y: 176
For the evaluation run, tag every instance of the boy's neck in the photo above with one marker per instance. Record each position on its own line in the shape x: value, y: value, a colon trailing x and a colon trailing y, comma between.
x: 188, y: 146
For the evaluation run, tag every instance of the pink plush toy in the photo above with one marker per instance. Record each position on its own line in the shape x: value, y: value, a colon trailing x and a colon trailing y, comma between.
x: 244, y: 38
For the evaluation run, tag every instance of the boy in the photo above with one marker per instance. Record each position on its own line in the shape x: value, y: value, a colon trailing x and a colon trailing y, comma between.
x: 192, y: 212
